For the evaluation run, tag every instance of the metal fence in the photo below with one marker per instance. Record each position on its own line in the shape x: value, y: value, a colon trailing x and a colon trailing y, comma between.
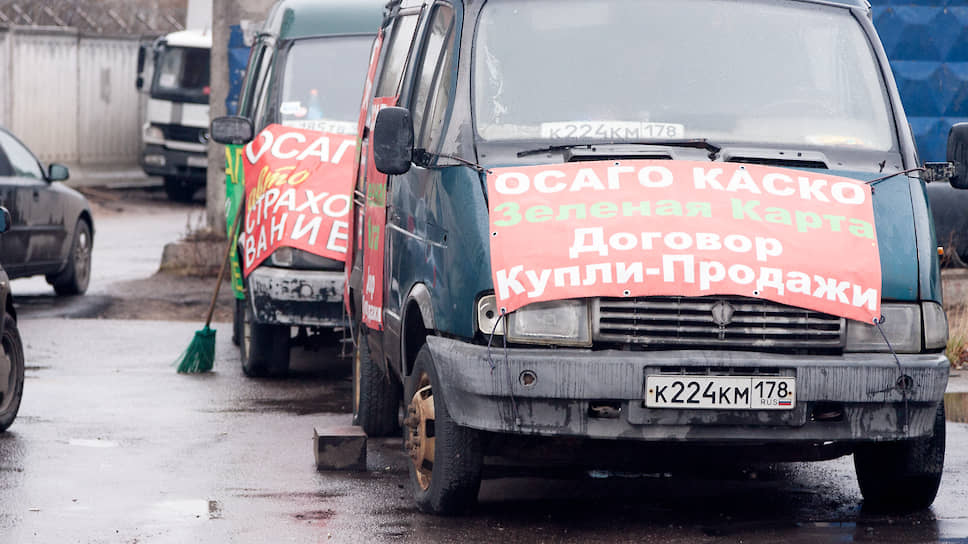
x: 114, y: 17
x: 70, y: 97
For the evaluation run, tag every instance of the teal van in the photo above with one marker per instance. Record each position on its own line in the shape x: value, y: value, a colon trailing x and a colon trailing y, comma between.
x: 630, y: 230
x: 305, y: 73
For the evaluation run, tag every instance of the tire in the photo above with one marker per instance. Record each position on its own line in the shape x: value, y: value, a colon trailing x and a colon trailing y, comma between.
x: 376, y: 395
x: 264, y: 349
x: 902, y: 476
x: 179, y: 189
x: 446, y: 459
x: 237, y: 318
x: 76, y: 276
x: 11, y: 372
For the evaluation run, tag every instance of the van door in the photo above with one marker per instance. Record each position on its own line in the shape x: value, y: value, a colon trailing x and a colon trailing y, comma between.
x: 372, y: 233
x: 410, y: 229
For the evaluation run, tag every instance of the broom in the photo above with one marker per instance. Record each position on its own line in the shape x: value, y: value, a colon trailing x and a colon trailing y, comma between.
x: 200, y: 354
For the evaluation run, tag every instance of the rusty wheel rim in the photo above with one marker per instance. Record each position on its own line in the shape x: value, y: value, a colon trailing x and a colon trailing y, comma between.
x: 421, y: 439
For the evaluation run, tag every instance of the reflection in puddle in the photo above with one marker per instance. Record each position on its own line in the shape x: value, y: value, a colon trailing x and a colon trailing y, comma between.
x: 87, y: 443
x: 956, y: 407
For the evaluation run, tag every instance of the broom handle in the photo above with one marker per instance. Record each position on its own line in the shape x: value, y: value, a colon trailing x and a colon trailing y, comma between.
x: 225, y: 262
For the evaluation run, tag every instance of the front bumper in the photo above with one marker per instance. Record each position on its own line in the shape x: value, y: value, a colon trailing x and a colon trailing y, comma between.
x: 286, y: 296
x: 158, y: 160
x: 568, y: 382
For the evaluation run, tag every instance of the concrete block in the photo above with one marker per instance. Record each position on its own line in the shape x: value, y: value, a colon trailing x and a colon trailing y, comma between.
x: 193, y: 258
x: 340, y: 448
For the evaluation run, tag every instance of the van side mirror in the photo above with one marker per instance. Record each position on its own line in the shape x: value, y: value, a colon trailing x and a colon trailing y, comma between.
x: 392, y: 141
x: 232, y: 130
x: 5, y: 220
x: 958, y: 155
x: 58, y: 172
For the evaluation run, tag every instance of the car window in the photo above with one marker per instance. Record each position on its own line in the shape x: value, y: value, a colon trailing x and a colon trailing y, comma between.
x: 441, y: 92
x: 22, y: 161
x: 441, y: 27
x: 5, y: 169
x: 258, y: 61
x: 397, y: 52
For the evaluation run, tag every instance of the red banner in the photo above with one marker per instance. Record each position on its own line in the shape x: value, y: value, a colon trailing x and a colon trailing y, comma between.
x: 298, y: 185
x: 356, y: 237
x: 656, y: 227
x: 374, y: 231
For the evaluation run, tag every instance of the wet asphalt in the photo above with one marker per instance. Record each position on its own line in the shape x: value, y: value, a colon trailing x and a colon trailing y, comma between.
x: 112, y: 445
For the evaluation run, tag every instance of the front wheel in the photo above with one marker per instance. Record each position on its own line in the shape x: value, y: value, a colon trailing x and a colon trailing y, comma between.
x: 11, y: 372
x: 264, y: 349
x: 179, y: 189
x: 73, y: 280
x: 905, y: 475
x: 446, y: 459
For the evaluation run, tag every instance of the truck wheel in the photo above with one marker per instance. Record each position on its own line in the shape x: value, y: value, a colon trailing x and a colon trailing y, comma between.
x: 376, y: 395
x: 264, y: 349
x: 446, y: 459
x: 903, y: 475
x: 179, y: 189
x: 237, y: 318
x: 11, y: 372
x: 73, y: 280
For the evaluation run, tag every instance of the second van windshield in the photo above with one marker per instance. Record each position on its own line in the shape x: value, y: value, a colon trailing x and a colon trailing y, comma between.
x: 321, y: 84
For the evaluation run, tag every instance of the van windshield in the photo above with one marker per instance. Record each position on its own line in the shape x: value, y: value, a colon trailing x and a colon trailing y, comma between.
x: 322, y: 81
x: 785, y: 73
x: 182, y: 74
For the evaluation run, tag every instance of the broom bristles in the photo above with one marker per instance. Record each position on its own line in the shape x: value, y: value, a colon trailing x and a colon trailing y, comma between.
x: 200, y: 354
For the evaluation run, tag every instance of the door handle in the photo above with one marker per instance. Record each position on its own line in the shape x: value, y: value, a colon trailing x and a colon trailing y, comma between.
x: 36, y: 194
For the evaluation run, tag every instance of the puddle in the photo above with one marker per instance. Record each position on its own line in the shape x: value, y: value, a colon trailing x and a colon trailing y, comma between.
x: 188, y: 509
x: 956, y: 407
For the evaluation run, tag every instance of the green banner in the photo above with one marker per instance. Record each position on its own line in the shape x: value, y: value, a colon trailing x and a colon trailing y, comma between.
x: 234, y: 195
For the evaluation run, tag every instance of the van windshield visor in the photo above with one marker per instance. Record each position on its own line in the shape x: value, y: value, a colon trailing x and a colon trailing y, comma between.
x: 757, y: 73
x: 322, y: 81
x: 182, y: 75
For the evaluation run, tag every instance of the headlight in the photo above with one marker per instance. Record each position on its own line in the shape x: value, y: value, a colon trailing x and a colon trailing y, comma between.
x: 563, y: 323
x: 287, y: 257
x: 902, y: 325
x: 153, y: 134
x: 935, y: 326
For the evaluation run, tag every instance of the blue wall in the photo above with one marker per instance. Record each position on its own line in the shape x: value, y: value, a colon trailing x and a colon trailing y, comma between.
x: 927, y: 42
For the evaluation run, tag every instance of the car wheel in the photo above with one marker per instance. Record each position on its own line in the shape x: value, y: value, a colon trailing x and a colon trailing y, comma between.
x: 237, y: 318
x: 179, y: 189
x: 446, y: 459
x: 376, y: 395
x: 11, y: 372
x: 264, y: 349
x: 904, y: 475
x: 73, y: 280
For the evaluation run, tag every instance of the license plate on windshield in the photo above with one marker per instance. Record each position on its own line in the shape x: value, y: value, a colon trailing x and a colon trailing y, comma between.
x: 721, y: 392
x: 612, y: 130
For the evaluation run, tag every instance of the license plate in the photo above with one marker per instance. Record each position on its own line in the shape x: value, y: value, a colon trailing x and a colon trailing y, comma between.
x: 721, y: 392
x: 612, y: 130
x: 198, y: 162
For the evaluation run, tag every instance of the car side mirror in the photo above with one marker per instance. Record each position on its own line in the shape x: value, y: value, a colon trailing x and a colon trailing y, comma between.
x: 392, y: 141
x: 958, y: 155
x: 5, y: 220
x: 58, y: 172
x: 142, y: 57
x: 232, y: 130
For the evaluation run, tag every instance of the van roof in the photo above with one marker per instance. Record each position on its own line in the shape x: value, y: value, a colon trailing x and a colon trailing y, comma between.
x: 865, y: 4
x: 189, y: 38
x: 292, y: 19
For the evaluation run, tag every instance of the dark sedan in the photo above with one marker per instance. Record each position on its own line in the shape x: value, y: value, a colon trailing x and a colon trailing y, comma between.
x: 52, y: 229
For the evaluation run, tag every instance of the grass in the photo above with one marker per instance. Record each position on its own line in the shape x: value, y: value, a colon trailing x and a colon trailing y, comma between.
x: 957, y: 350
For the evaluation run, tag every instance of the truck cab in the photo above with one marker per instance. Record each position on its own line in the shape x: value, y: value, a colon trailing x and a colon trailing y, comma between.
x: 174, y: 71
x: 636, y: 228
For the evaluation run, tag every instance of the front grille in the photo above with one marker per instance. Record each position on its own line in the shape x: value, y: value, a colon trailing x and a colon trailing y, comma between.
x: 181, y: 133
x: 689, y: 321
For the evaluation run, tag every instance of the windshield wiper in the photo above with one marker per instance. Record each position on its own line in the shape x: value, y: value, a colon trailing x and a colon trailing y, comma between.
x: 697, y: 143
